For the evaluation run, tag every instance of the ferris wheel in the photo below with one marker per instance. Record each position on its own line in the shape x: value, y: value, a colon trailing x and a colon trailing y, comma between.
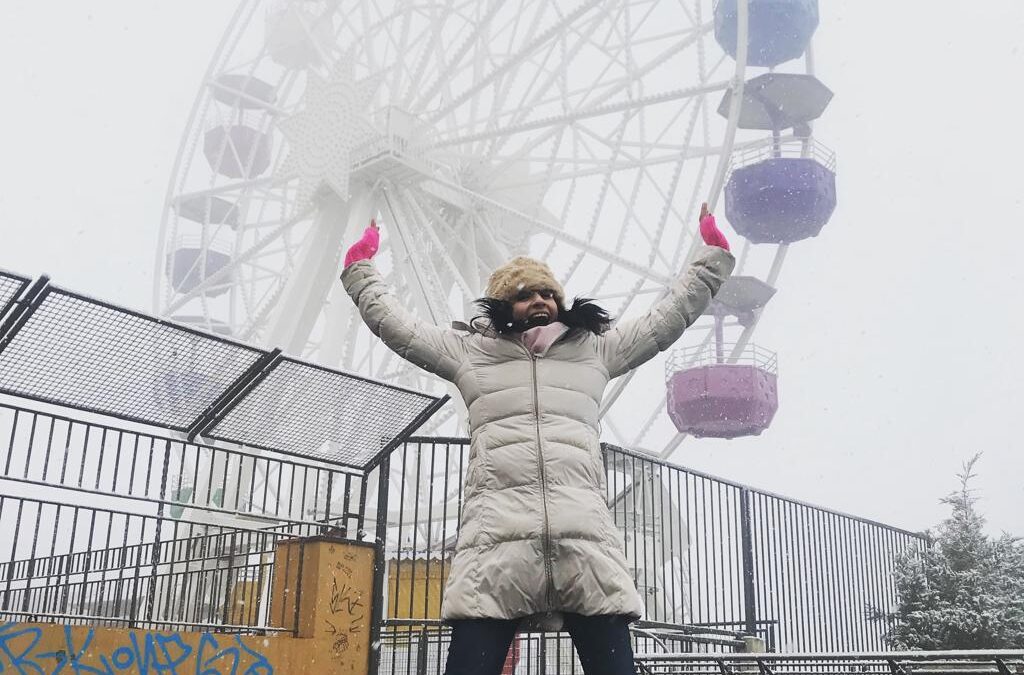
x: 584, y: 134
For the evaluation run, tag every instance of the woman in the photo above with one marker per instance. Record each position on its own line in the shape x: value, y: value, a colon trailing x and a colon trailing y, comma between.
x: 536, y: 541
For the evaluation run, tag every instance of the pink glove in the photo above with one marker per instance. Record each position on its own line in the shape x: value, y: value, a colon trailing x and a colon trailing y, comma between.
x: 709, y: 230
x: 365, y: 248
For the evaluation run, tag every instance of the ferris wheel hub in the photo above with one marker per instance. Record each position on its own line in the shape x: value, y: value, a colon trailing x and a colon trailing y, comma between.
x: 393, y: 155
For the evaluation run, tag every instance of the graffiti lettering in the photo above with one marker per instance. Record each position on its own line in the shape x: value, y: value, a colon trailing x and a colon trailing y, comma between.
x: 344, y: 598
x: 9, y: 642
x: 145, y: 654
x: 260, y: 665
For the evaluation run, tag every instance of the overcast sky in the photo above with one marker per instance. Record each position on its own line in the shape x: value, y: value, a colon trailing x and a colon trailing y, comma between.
x: 900, y: 329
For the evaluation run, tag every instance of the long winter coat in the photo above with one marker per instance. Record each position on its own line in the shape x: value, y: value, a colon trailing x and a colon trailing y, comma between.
x: 536, y: 536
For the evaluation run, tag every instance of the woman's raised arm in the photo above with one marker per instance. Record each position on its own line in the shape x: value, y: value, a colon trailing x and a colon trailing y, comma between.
x: 635, y: 341
x: 438, y: 350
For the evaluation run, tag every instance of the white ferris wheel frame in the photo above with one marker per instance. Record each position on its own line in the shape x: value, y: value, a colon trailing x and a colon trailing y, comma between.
x: 403, y: 207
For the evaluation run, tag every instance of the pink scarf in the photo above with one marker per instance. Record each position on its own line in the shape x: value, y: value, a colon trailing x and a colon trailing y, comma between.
x: 540, y: 338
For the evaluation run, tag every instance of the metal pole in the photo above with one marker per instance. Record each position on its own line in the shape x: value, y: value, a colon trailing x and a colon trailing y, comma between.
x: 151, y: 598
x: 379, y: 564
x: 421, y: 652
x: 747, y: 538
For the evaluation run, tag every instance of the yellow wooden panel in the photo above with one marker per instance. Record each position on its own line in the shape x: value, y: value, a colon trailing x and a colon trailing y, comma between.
x: 415, y: 588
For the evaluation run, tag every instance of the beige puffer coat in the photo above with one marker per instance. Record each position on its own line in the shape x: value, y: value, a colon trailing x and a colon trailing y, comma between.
x: 536, y: 536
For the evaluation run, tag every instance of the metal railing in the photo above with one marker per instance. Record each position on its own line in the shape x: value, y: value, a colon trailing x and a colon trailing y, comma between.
x: 101, y: 524
x: 106, y: 518
x: 787, y: 147
x: 716, y: 553
x: 712, y: 354
x: 398, y: 146
x: 997, y: 662
x: 137, y: 571
x: 107, y: 526
x: 705, y: 553
x: 129, y: 524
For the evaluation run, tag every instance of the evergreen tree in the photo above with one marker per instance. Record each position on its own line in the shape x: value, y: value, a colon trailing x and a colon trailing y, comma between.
x: 965, y: 591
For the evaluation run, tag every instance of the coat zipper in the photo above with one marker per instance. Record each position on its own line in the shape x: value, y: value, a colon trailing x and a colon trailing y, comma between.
x: 546, y: 540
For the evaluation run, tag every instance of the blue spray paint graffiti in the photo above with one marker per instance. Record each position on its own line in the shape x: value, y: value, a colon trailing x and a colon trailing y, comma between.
x: 147, y: 654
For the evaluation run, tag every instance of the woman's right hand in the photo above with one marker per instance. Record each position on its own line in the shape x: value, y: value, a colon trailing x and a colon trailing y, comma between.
x: 709, y: 229
x: 366, y: 247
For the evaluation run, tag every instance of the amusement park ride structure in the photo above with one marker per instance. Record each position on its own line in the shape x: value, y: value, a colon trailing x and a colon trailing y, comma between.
x: 476, y: 131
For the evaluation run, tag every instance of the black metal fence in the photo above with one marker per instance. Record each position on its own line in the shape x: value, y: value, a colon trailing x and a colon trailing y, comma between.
x: 108, y: 526
x: 124, y: 523
x: 133, y: 522
x: 711, y: 556
x: 104, y: 525
x: 711, y: 552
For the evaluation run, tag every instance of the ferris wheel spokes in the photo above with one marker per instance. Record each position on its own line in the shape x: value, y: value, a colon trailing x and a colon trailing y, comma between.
x: 513, y: 61
x: 305, y: 291
x: 599, y: 106
x: 424, y: 278
x: 557, y: 232
x: 426, y: 225
x: 579, y: 115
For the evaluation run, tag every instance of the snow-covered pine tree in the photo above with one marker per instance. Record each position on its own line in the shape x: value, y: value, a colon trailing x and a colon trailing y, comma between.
x: 965, y: 591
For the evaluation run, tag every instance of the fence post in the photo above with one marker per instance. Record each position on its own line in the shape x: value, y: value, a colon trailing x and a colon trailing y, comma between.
x: 379, y: 563
x: 422, y: 652
x: 155, y: 556
x: 747, y: 540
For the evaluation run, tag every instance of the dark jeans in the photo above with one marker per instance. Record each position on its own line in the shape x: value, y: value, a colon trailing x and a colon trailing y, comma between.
x: 479, y: 646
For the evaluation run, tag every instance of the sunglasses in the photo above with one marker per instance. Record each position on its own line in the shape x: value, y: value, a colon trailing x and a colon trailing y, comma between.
x: 544, y: 293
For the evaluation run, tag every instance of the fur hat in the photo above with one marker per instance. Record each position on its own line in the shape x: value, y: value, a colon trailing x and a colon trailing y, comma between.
x: 522, y: 273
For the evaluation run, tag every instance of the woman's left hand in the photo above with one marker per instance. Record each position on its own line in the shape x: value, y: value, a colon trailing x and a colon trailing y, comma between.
x: 709, y: 229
